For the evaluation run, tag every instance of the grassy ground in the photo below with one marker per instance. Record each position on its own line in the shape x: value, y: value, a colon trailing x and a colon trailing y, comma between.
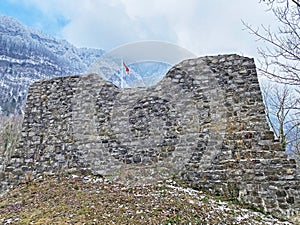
x: 82, y: 199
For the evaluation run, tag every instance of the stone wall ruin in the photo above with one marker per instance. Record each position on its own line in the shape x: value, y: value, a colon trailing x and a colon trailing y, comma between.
x: 203, y: 123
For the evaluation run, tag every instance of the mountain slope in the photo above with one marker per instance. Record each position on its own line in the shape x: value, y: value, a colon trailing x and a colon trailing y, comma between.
x: 27, y: 55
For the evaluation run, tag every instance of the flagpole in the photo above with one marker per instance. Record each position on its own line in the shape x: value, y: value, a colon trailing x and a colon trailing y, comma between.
x: 122, y: 73
x: 121, y: 68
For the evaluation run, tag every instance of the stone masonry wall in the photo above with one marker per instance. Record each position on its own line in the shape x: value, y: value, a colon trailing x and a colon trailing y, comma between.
x: 203, y: 123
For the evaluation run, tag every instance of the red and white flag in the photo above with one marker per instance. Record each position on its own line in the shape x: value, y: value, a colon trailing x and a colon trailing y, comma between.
x: 126, y: 68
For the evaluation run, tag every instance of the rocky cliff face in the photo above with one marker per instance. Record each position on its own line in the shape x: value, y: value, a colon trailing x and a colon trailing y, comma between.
x: 203, y: 123
x: 28, y: 55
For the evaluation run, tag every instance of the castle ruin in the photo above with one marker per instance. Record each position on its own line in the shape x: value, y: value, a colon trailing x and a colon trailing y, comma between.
x: 204, y: 123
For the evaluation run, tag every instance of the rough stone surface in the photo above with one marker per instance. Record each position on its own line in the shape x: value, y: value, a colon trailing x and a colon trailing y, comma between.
x: 204, y: 123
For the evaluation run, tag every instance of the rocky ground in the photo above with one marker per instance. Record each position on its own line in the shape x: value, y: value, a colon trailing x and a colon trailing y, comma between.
x: 79, y: 199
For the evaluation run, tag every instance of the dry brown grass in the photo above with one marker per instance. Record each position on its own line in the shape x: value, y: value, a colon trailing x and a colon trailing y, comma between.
x: 82, y: 199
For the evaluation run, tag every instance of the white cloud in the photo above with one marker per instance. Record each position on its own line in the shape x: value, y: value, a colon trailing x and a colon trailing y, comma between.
x: 204, y: 27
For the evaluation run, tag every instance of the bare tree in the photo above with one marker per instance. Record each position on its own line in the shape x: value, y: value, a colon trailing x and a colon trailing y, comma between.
x: 282, y: 115
x: 280, y: 58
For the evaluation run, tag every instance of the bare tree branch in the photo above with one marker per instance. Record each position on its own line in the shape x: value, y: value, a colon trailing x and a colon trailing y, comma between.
x: 282, y: 109
x: 296, y: 2
x: 280, y: 57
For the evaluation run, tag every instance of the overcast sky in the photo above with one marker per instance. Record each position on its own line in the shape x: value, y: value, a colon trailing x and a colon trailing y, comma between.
x: 204, y: 27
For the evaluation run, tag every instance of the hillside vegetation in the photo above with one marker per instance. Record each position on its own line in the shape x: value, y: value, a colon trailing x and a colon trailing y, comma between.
x: 84, y: 199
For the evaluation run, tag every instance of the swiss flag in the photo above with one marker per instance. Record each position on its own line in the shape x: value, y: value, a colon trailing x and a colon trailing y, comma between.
x: 126, y: 68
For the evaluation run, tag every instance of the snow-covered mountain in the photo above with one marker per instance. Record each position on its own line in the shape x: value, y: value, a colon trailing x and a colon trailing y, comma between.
x: 151, y: 72
x: 27, y: 55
